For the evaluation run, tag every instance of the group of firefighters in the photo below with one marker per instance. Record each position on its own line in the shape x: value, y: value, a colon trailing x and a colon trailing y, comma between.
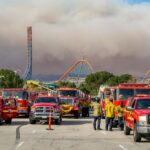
x: 110, y: 112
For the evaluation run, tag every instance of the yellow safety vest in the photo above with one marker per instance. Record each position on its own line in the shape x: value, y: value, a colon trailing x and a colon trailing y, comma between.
x: 96, y: 109
x: 120, y: 111
x: 110, y: 110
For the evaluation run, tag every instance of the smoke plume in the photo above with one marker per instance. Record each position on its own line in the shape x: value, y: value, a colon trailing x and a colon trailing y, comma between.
x: 112, y: 34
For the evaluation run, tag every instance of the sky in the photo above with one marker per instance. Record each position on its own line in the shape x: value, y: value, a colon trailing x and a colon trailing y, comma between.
x: 113, y: 35
x: 138, y: 1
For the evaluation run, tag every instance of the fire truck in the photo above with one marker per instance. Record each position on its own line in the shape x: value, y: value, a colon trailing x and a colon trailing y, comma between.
x: 137, y: 117
x: 22, y: 98
x: 121, y: 92
x: 70, y: 100
x: 8, y: 110
x: 43, y: 105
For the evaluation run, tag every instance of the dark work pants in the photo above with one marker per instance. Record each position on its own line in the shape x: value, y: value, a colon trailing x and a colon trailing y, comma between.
x: 121, y: 124
x: 109, y: 123
x: 85, y: 112
x: 97, y: 118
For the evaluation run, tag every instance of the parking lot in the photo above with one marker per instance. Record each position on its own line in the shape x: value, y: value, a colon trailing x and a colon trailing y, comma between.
x: 72, y: 134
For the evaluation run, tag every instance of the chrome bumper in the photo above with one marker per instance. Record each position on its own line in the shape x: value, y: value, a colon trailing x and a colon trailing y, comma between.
x: 45, y: 115
x: 144, y: 129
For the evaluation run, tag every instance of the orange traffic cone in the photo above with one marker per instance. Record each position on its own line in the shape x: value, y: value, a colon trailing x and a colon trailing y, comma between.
x: 50, y: 121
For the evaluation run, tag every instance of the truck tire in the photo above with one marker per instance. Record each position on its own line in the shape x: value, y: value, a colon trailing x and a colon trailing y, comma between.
x: 126, y: 130
x: 58, y: 121
x: 8, y: 121
x: 32, y: 121
x: 136, y: 135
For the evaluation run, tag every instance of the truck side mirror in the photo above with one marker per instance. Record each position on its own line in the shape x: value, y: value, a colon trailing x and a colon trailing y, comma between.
x: 129, y: 108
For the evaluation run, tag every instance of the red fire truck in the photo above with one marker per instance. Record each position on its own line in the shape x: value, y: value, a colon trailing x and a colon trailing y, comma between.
x: 8, y: 110
x: 22, y: 97
x: 121, y: 92
x: 70, y: 101
x: 137, y: 117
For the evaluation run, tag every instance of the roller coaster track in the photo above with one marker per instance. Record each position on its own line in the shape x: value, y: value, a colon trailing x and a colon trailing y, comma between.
x: 82, y: 62
x: 147, y: 73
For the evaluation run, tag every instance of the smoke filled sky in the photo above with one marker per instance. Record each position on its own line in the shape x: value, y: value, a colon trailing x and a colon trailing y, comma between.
x: 113, y: 35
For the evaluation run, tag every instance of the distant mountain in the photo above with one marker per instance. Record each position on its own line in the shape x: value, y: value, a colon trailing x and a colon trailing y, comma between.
x: 42, y: 77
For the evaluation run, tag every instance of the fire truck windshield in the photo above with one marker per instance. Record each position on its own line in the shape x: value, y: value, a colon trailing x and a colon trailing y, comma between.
x: 21, y: 95
x: 142, y: 91
x: 66, y: 101
x: 7, y: 94
x: 125, y: 93
x: 143, y: 104
x: 46, y: 100
x: 73, y: 93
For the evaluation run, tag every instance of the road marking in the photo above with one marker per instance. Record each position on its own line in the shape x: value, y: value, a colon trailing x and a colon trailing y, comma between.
x: 33, y: 131
x: 103, y: 132
x: 19, y: 144
x: 122, y: 147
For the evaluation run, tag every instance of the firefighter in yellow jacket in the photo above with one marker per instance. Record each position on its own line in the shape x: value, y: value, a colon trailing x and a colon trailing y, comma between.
x: 110, y: 114
x: 119, y: 111
x: 97, y: 114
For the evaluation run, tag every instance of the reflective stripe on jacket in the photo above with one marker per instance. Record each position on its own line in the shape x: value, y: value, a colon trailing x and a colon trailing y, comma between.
x: 119, y: 111
x: 96, y: 109
x: 110, y: 110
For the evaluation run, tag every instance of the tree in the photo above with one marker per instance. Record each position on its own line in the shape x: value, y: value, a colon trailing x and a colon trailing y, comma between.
x: 10, y: 79
x: 66, y: 84
x: 93, y: 81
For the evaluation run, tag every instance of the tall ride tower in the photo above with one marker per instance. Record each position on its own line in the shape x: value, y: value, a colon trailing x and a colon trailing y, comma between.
x: 28, y: 72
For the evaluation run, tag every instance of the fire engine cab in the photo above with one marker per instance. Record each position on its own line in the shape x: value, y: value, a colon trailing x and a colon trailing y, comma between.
x: 122, y: 92
x: 22, y: 98
x: 8, y: 110
x: 70, y: 101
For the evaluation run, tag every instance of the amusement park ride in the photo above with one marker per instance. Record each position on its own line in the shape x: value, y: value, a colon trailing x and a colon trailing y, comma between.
x: 146, y: 78
x: 28, y: 72
x: 76, y: 73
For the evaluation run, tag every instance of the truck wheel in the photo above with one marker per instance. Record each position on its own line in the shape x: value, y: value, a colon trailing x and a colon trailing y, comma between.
x: 8, y: 121
x: 126, y: 130
x: 136, y: 135
x: 32, y: 121
x: 58, y: 121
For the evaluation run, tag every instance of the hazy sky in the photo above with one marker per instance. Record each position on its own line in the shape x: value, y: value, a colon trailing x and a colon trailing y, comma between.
x: 113, y: 35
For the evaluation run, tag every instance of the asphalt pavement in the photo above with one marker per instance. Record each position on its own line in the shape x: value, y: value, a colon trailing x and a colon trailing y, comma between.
x: 73, y: 134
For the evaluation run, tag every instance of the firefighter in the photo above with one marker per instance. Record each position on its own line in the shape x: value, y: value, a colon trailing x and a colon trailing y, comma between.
x: 119, y: 111
x: 107, y: 93
x: 83, y: 108
x: 110, y: 113
x: 97, y: 114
